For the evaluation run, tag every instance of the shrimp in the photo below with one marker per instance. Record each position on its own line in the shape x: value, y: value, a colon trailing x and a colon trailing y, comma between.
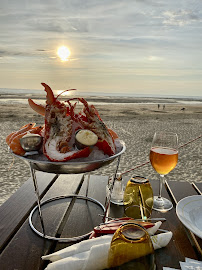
x: 23, y: 129
x: 15, y: 145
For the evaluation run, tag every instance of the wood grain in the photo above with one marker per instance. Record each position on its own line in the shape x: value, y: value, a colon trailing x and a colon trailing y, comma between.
x: 26, y: 248
x: 17, y: 208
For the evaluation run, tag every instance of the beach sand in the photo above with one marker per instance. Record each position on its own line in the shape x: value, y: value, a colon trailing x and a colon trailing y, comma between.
x: 134, y: 123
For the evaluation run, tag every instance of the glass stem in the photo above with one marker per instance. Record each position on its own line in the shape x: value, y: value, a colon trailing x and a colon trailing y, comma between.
x: 160, y: 185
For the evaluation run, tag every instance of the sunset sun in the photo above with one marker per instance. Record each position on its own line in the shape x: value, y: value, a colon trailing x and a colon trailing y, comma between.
x: 63, y: 52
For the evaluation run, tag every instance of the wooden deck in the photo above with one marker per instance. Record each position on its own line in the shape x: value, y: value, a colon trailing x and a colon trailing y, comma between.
x: 21, y: 248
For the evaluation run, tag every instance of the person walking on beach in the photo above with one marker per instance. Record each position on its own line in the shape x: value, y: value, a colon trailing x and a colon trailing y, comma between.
x: 164, y: 106
x: 158, y: 106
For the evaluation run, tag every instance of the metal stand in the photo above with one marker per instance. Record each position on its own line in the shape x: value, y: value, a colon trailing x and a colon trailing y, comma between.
x: 76, y: 238
x: 86, y: 198
x: 108, y: 199
x: 33, y: 174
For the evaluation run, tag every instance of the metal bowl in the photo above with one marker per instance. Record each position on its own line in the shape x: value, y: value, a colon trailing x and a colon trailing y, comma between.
x: 41, y: 163
x: 32, y: 142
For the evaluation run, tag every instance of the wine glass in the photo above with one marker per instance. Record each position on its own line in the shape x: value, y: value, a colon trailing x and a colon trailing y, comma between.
x: 163, y: 158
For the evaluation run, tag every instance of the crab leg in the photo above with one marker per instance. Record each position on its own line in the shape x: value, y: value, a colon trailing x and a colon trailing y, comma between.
x: 94, y: 123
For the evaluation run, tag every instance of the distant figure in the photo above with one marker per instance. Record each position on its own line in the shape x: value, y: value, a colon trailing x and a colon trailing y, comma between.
x: 183, y: 109
x: 164, y: 106
x: 158, y: 106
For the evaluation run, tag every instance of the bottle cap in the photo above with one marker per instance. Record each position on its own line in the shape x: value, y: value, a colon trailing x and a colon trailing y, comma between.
x: 119, y: 176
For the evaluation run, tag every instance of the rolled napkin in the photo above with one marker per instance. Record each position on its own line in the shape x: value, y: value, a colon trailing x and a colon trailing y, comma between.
x: 161, y: 240
x: 92, y: 254
x: 80, y: 247
x: 154, y: 229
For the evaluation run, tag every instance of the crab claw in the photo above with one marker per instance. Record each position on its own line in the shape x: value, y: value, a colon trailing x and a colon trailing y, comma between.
x: 37, y: 107
x: 49, y: 100
x: 50, y: 96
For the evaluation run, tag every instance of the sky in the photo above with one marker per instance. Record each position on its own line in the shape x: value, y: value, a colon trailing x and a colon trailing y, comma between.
x: 151, y: 47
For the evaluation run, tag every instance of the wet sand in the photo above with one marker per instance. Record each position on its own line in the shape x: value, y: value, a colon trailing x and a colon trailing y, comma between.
x: 134, y: 123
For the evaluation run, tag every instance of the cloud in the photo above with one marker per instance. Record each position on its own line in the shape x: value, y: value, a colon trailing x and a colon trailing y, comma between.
x: 155, y: 58
x: 180, y: 17
x: 5, y: 53
x: 18, y: 52
x: 41, y: 50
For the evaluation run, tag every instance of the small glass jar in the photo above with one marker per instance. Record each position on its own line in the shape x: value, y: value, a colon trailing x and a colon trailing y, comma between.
x: 131, y: 248
x: 138, y: 198
x: 117, y: 191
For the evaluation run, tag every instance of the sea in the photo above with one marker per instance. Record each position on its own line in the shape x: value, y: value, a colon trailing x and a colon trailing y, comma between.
x: 100, y: 98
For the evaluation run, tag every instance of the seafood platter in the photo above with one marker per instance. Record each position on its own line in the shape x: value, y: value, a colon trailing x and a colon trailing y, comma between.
x: 70, y: 141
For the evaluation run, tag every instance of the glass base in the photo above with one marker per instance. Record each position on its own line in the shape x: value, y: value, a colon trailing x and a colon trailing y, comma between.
x: 162, y: 204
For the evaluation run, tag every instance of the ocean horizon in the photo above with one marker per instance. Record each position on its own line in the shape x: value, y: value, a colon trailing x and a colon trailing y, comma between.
x: 11, y: 95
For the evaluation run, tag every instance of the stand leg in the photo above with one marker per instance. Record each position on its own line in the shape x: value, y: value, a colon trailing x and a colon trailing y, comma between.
x: 88, y: 175
x: 33, y: 174
x: 107, y: 204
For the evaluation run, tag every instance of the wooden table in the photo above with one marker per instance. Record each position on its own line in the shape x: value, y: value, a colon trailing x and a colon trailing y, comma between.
x: 21, y: 248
